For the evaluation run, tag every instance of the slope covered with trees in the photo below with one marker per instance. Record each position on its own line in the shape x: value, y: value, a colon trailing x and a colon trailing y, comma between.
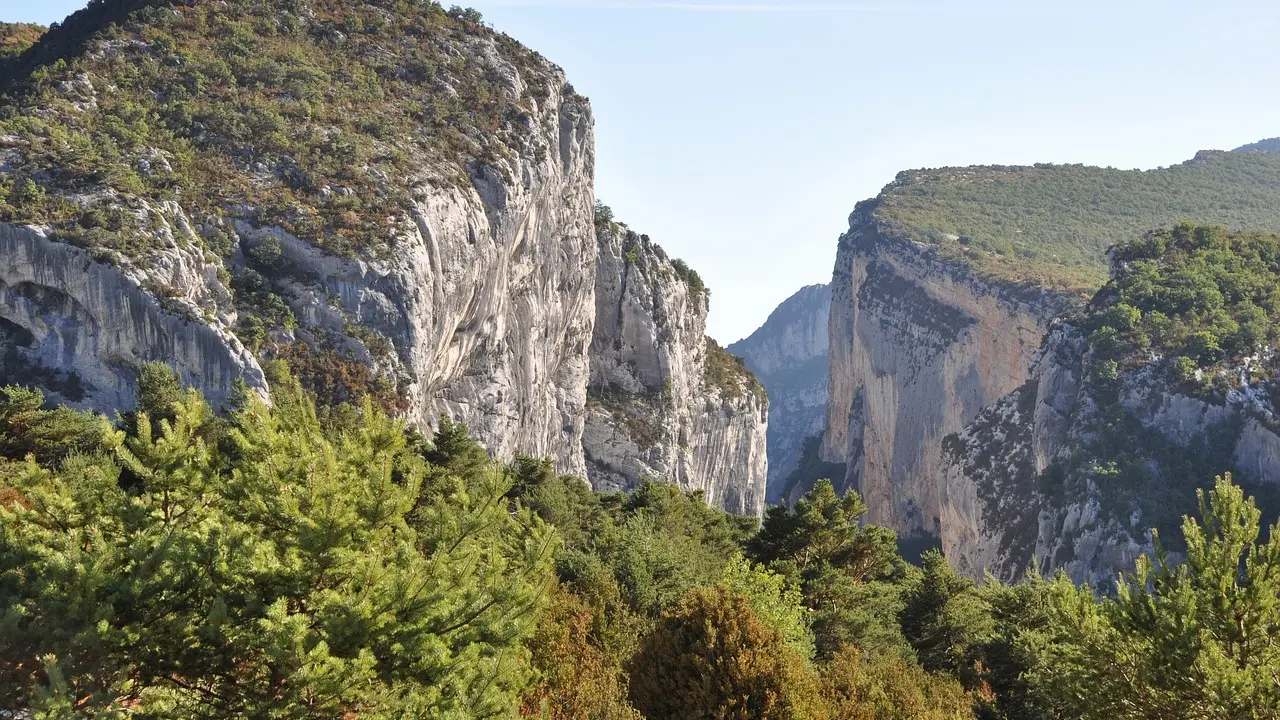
x: 295, y: 561
x: 307, y: 116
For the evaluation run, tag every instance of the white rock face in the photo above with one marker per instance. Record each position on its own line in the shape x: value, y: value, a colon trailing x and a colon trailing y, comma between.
x: 487, y: 296
x: 654, y: 409
x: 1008, y: 513
x: 82, y: 328
x: 486, y: 299
x: 918, y: 347
x: 789, y: 355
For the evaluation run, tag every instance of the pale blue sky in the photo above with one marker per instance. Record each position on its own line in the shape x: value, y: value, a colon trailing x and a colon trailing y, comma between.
x: 740, y: 134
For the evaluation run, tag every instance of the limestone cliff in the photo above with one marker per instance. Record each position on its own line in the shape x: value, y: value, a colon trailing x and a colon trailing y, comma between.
x: 400, y: 205
x: 80, y: 327
x: 1033, y: 481
x: 483, y: 298
x: 919, y: 345
x: 665, y: 402
x: 789, y: 355
x: 1133, y: 405
x: 487, y: 297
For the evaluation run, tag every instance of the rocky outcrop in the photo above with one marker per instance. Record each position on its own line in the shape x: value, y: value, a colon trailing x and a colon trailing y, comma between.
x: 1051, y: 477
x: 438, y: 256
x: 789, y: 355
x: 487, y: 296
x: 919, y: 345
x: 665, y: 402
x: 81, y: 327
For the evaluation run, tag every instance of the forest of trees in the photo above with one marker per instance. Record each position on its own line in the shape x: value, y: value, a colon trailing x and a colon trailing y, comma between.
x: 285, y: 561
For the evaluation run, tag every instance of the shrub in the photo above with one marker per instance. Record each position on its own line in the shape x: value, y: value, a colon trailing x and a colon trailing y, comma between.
x: 712, y: 657
x: 860, y: 686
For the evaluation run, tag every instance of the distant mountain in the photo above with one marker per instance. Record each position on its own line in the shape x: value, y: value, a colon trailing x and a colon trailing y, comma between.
x: 789, y: 355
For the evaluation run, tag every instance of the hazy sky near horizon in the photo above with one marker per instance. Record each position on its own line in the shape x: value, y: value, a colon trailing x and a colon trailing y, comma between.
x: 740, y: 134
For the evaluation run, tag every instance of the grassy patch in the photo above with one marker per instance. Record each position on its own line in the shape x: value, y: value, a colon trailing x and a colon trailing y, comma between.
x: 1050, y: 224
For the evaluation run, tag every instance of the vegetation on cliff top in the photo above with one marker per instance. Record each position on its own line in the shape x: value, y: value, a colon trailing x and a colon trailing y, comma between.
x: 1198, y: 299
x: 634, y: 244
x: 730, y: 374
x: 1050, y: 225
x: 286, y: 563
x: 314, y: 115
x: 16, y: 38
x: 1195, y: 311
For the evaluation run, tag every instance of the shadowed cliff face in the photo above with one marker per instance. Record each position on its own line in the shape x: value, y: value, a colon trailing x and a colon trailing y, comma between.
x: 82, y: 329
x: 789, y: 355
x: 919, y: 346
x: 1029, y: 482
x: 664, y: 401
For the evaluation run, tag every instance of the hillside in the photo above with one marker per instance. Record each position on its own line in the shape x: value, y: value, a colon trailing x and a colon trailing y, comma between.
x: 1168, y: 377
x: 1049, y: 225
x: 393, y: 198
x: 318, y: 122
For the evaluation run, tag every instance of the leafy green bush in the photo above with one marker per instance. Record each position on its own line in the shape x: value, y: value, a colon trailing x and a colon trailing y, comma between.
x: 1195, y: 295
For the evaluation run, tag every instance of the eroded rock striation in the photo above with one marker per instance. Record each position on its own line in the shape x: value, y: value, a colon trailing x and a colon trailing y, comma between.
x: 665, y: 402
x: 789, y: 355
x: 81, y: 327
x: 1044, y: 477
x: 421, y: 232
x: 918, y: 346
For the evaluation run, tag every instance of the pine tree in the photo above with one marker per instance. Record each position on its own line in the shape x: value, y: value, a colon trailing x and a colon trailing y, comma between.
x: 267, y: 569
x: 1199, y: 639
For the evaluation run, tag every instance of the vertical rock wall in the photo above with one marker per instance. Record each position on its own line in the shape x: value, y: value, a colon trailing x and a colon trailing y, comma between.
x: 789, y: 355
x: 665, y: 402
x: 918, y: 347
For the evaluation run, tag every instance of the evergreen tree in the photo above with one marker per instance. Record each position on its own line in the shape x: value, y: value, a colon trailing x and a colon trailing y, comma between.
x: 945, y: 619
x: 288, y: 583
x: 1200, y: 639
x: 849, y: 572
x: 26, y: 428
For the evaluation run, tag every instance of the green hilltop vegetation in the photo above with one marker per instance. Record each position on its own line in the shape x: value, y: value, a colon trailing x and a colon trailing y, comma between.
x: 311, y: 115
x: 1197, y: 300
x: 1194, y: 310
x: 15, y: 38
x: 295, y: 561
x: 1050, y: 225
